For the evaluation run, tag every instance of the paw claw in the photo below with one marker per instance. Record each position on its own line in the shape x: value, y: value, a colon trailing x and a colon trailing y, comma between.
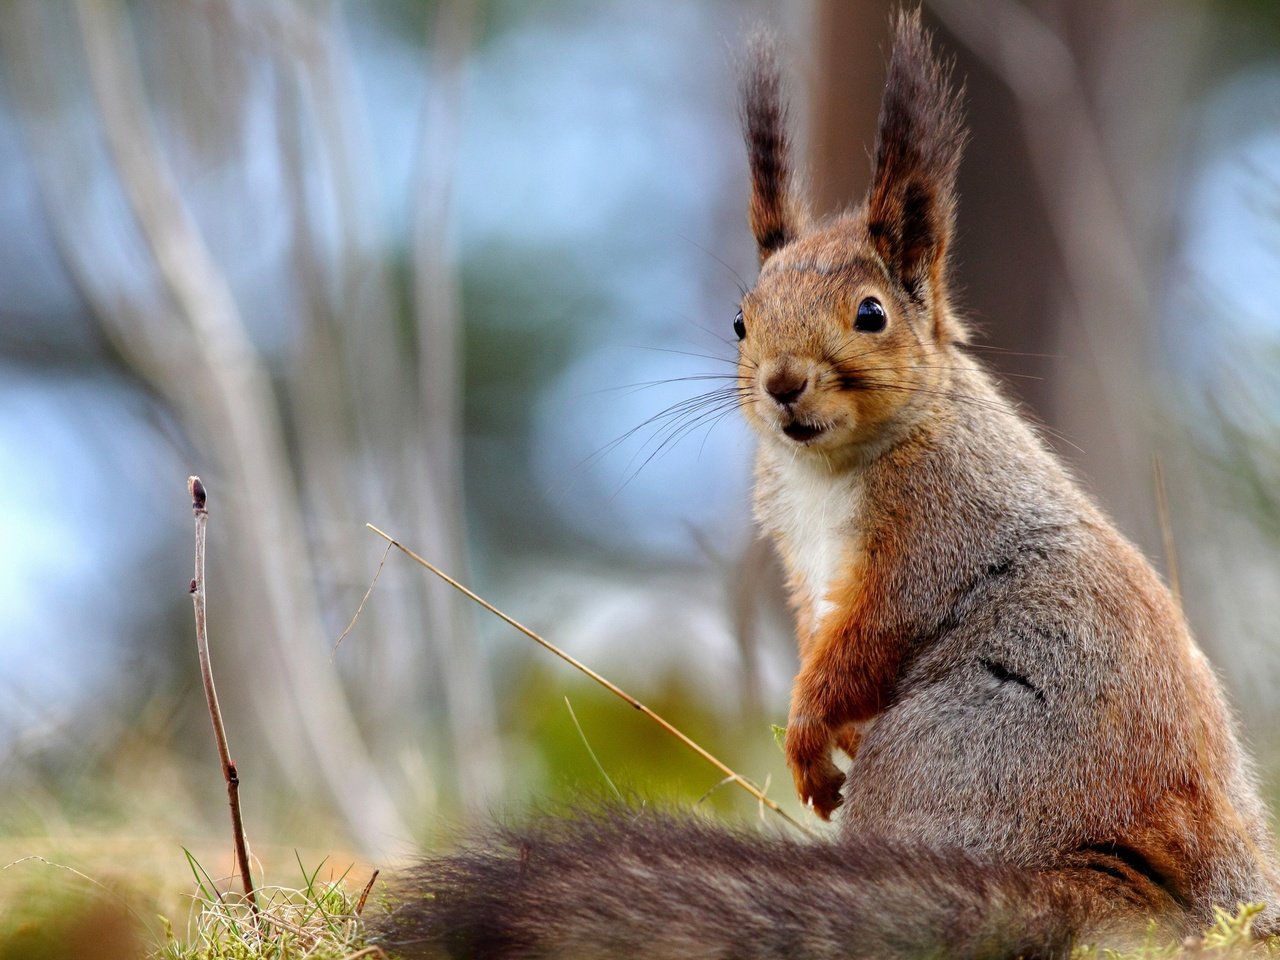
x: 818, y: 780
x: 821, y: 790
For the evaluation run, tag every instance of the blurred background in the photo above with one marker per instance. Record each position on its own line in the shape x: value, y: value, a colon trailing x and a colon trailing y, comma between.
x: 446, y: 267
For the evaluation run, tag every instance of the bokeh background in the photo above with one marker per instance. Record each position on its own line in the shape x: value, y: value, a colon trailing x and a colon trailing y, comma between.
x: 446, y: 267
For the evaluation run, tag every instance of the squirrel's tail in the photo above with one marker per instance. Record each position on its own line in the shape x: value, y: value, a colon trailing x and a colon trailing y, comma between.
x: 648, y: 886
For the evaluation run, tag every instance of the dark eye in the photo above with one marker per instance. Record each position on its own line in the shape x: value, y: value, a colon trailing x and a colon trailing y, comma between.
x: 739, y: 327
x: 871, y: 317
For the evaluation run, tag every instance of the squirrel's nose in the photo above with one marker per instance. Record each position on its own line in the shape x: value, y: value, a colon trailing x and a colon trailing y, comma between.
x: 785, y: 386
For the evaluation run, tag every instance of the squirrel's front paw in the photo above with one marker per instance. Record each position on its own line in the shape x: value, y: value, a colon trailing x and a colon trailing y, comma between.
x: 818, y: 779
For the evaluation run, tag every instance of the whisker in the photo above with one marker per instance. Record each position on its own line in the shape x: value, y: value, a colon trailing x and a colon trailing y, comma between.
x: 865, y: 354
x: 928, y: 366
x: 632, y: 388
x: 670, y: 434
x: 986, y: 348
x: 845, y: 359
x: 839, y: 358
x: 679, y: 429
x: 689, y: 353
x: 711, y: 426
x: 742, y: 284
x: 727, y: 341
x: 1012, y: 409
x: 669, y: 415
x: 1006, y: 407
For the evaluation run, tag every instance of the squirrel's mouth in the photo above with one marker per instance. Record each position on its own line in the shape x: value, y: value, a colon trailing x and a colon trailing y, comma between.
x: 802, y: 432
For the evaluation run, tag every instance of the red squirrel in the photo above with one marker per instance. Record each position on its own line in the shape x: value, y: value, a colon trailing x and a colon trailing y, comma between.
x: 1038, y: 751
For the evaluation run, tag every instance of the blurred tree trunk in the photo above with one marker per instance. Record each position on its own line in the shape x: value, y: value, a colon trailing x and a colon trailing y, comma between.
x: 1062, y: 211
x: 1094, y: 127
x: 1005, y: 276
x: 848, y: 41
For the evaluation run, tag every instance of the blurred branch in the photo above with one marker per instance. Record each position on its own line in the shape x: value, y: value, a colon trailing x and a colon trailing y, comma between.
x: 238, y: 414
x: 62, y: 161
x: 438, y: 318
x: 352, y: 393
x: 1166, y: 531
x: 744, y: 575
x: 404, y: 413
x: 746, y: 580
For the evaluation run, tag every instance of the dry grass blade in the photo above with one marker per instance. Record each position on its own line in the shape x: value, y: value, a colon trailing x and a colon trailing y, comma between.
x: 363, y: 600
x: 364, y: 894
x: 613, y: 688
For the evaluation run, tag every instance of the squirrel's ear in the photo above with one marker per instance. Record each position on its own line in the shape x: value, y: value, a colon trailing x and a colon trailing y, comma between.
x: 912, y: 203
x: 776, y: 216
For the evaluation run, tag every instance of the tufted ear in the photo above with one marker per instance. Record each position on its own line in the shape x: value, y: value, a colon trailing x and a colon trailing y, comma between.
x: 776, y: 216
x: 912, y: 203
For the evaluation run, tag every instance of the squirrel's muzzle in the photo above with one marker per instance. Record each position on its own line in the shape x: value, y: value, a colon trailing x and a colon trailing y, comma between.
x: 786, y: 386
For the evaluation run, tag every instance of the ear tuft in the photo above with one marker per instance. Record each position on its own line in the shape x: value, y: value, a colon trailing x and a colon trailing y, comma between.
x: 912, y: 203
x: 776, y: 218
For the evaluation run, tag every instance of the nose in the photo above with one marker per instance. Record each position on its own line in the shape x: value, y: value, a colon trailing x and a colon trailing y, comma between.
x: 785, y: 386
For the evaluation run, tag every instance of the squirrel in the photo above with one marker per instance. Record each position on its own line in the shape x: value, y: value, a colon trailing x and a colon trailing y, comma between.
x: 1038, y: 751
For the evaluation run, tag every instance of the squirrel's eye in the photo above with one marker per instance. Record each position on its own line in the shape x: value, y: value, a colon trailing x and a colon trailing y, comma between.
x: 739, y: 326
x: 871, y: 317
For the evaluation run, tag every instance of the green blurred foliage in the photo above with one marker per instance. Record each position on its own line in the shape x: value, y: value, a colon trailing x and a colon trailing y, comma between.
x: 1264, y: 15
x: 636, y: 754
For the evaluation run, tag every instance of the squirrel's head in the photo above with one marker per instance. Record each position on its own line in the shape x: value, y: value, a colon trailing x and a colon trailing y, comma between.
x: 849, y: 326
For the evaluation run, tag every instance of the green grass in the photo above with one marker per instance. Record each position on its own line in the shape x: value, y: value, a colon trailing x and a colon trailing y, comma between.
x: 61, y: 913
x: 1230, y: 936
x: 319, y: 919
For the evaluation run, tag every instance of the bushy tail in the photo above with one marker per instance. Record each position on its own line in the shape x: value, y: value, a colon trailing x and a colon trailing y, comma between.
x: 648, y: 886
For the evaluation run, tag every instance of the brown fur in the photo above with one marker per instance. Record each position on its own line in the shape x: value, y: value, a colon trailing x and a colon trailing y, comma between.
x: 639, y: 884
x: 1039, y: 750
x: 1033, y: 688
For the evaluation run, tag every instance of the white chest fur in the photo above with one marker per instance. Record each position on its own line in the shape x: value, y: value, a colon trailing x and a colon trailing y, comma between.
x: 816, y: 514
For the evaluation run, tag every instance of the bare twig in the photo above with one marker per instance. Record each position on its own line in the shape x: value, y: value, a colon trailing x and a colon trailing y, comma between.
x: 201, y: 511
x: 613, y: 688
